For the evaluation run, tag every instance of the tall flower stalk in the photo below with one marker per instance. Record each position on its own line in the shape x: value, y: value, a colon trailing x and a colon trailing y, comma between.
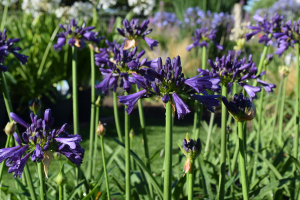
x: 191, y: 149
x: 75, y: 91
x: 127, y: 155
x: 242, y: 110
x: 97, y: 104
x: 296, y: 140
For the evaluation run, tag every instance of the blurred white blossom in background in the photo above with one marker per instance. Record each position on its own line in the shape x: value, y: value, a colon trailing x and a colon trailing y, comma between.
x: 104, y: 4
x: 35, y: 7
x: 140, y: 6
x: 81, y: 9
x: 3, y: 2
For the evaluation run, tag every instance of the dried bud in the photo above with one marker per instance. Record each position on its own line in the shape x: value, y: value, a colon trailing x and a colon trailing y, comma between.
x: 101, y: 129
x: 35, y: 105
x: 10, y: 128
x: 98, y: 101
x: 284, y: 70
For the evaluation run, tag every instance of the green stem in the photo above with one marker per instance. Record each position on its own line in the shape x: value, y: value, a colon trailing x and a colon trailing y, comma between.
x: 96, y: 138
x: 127, y: 155
x: 257, y: 142
x: 204, y: 58
x: 262, y: 59
x: 104, y: 168
x: 200, y: 109
x: 296, y: 140
x: 42, y: 181
x: 168, y: 153
x: 242, y: 162
x: 61, y: 193
x: 116, y: 115
x: 4, y: 15
x: 236, y: 151
x: 223, y: 146
x: 211, y: 122
x: 281, y: 114
x: 195, y: 126
x: 276, y: 108
x: 92, y: 122
x: 3, y: 163
x: 190, y: 179
x: 29, y: 183
x: 74, y: 87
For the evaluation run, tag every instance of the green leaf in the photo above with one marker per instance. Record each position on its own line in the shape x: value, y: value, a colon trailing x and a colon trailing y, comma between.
x: 145, y: 169
x: 229, y: 183
x: 75, y: 190
x: 206, y: 178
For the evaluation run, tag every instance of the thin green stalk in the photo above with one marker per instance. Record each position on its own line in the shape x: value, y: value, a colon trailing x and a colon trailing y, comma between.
x: 42, y: 181
x: 96, y: 138
x: 211, y: 122
x: 200, y: 109
x: 190, y: 179
x: 29, y: 182
x: 116, y: 115
x: 257, y: 142
x: 203, y: 58
x: 131, y: 148
x: 281, y: 114
x: 104, y: 169
x: 223, y: 146
x: 276, y: 108
x: 296, y: 140
x: 60, y: 192
x: 127, y: 155
x: 236, y: 151
x: 168, y: 153
x: 145, y: 140
x: 75, y: 94
x: 262, y: 59
x: 195, y: 126
x: 92, y: 121
x: 2, y: 164
x: 242, y: 162
x: 4, y: 15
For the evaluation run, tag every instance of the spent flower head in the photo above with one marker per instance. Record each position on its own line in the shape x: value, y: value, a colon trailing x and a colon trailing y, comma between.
x: 133, y: 32
x: 168, y: 82
x: 39, y: 141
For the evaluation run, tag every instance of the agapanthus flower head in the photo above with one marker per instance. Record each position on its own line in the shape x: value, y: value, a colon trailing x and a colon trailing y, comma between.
x: 107, y: 53
x: 202, y: 37
x: 232, y: 70
x: 133, y: 31
x: 240, y: 108
x: 39, y: 141
x: 191, y: 149
x: 267, y: 27
x: 8, y: 46
x: 289, y: 36
x: 168, y: 82
x: 76, y: 35
x: 121, y: 66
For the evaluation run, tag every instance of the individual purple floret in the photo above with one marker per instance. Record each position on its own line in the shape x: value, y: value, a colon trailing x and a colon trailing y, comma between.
x: 231, y: 70
x: 167, y: 81
x: 107, y: 52
x: 6, y: 47
x: 121, y: 66
x: 40, y: 139
x: 241, y: 108
x: 133, y: 31
x: 77, y: 36
x: 268, y: 27
x: 202, y: 37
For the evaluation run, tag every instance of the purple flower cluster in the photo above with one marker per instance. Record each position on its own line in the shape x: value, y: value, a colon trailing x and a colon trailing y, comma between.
x: 267, y: 27
x: 202, y: 37
x: 77, y: 35
x: 163, y: 19
x: 133, y: 31
x: 39, y: 139
x: 241, y: 108
x: 122, y: 65
x: 167, y: 81
x: 6, y: 47
x: 289, y: 35
x: 231, y: 70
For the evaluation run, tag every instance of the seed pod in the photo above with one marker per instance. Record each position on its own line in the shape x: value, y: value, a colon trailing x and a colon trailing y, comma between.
x: 100, y: 129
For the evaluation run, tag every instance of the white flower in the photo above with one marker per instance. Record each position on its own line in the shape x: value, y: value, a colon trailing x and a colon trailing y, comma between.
x: 142, y: 5
x: 35, y: 7
x: 81, y: 9
x: 106, y: 3
x: 3, y: 2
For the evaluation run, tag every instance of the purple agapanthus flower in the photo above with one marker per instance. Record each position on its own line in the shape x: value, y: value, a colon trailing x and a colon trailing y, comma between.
x: 167, y: 81
x: 76, y: 35
x: 231, y: 70
x: 6, y: 47
x: 133, y: 31
x: 202, y: 37
x: 40, y: 139
x: 267, y: 27
x: 121, y: 66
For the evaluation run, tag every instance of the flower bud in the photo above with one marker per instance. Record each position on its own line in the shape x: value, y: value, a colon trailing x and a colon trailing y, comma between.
x: 101, y: 129
x: 284, y: 70
x: 35, y: 105
x: 131, y: 134
x: 191, y: 148
x: 10, y: 128
x: 98, y: 101
x: 240, y: 108
x: 61, y: 178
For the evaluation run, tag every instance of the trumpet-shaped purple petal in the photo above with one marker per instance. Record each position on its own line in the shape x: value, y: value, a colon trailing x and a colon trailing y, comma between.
x: 151, y: 43
x: 130, y: 100
x: 209, y: 101
x: 18, y: 119
x: 18, y: 166
x: 181, y: 108
x: 251, y: 90
x: 267, y: 86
